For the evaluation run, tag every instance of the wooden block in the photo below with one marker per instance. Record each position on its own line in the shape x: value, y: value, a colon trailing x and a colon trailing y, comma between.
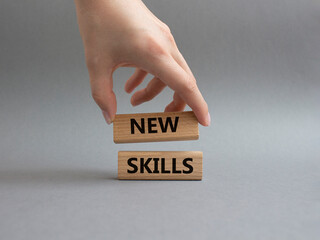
x: 163, y: 165
x: 155, y: 127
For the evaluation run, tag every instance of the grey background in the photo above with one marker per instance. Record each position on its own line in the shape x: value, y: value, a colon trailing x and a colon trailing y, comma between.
x: 258, y: 66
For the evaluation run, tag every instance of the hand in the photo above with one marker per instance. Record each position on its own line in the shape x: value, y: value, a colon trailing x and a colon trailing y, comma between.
x: 121, y: 33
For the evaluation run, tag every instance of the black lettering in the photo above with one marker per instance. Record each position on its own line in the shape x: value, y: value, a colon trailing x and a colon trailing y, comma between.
x: 151, y: 125
x: 164, y: 127
x: 185, y: 163
x: 174, y: 166
x: 144, y: 165
x: 131, y: 164
x: 156, y: 165
x: 163, y: 166
x: 133, y: 123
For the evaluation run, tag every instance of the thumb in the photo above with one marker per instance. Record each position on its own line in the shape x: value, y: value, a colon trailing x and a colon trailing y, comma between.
x: 101, y: 83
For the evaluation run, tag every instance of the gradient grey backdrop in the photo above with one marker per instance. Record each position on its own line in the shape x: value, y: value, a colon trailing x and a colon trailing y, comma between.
x: 257, y: 63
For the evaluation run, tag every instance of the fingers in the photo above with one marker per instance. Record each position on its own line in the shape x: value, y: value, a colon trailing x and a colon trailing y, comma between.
x: 183, y: 83
x: 101, y: 87
x: 177, y: 105
x: 137, y: 78
x: 154, y: 87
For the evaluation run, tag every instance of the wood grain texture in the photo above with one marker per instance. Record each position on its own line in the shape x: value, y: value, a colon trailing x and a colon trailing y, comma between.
x: 155, y: 127
x: 160, y: 165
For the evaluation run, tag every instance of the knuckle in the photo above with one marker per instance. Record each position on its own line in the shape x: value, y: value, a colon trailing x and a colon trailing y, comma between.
x: 166, y: 28
x: 153, y: 46
x: 92, y: 61
x: 147, y: 95
x: 149, y: 45
x: 167, y: 33
x: 96, y: 59
x: 169, y: 36
x: 98, y: 98
x: 190, y: 86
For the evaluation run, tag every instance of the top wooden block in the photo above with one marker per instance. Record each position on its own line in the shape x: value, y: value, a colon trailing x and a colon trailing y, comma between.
x: 155, y: 127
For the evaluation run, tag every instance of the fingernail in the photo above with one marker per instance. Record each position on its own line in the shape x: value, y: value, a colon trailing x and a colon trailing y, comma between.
x: 208, y: 119
x: 107, y: 117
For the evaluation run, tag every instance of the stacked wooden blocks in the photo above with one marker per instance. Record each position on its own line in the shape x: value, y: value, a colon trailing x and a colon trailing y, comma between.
x: 156, y: 127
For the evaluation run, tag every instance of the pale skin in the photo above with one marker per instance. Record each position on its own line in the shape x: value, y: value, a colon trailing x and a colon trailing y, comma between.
x: 125, y: 33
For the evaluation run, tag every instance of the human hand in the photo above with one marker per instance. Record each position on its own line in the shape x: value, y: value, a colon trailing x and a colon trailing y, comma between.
x: 122, y: 33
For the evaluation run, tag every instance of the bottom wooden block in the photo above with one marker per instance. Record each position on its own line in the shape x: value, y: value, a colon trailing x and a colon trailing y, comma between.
x: 160, y: 165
